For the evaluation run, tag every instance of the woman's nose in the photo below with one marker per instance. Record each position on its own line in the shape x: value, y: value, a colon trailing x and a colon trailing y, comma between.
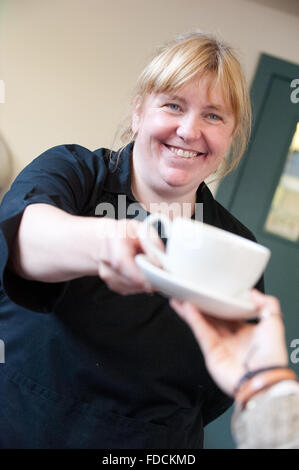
x: 189, y: 128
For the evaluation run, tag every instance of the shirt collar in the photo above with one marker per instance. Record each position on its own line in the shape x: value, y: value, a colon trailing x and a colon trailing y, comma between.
x: 118, y: 179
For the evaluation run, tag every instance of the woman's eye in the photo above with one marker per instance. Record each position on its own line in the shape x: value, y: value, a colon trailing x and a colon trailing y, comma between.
x: 214, y: 117
x: 173, y: 106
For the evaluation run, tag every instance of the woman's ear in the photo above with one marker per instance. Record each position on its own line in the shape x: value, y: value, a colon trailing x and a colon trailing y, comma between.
x: 136, y: 113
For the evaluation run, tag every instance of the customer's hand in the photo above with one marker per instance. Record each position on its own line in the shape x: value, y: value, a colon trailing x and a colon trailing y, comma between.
x: 231, y: 348
x: 118, y: 244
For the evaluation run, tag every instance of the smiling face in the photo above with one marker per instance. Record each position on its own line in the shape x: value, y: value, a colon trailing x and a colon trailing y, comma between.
x: 182, y: 137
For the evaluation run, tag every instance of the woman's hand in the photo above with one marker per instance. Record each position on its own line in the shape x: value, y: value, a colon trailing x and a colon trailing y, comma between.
x: 118, y: 244
x: 232, y: 348
x: 83, y: 246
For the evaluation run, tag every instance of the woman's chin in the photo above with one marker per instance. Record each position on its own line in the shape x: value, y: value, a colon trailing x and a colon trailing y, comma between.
x: 177, y: 178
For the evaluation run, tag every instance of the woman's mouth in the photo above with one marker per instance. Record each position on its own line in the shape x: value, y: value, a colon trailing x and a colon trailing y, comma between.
x: 183, y: 152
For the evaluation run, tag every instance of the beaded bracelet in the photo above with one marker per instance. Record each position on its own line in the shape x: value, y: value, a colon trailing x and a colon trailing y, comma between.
x: 254, y: 372
x: 261, y: 381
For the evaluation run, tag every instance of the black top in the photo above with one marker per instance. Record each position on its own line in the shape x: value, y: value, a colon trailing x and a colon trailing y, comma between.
x: 86, y: 367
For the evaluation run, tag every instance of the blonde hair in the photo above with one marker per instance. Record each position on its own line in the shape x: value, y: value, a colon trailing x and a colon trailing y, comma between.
x: 198, y: 55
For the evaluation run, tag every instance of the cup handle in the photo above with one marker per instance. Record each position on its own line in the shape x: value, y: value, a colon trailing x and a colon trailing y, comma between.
x: 145, y: 235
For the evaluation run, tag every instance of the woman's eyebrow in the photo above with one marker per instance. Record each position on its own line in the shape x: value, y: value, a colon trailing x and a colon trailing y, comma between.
x: 214, y: 107
x: 208, y: 107
x: 170, y: 96
x: 219, y: 108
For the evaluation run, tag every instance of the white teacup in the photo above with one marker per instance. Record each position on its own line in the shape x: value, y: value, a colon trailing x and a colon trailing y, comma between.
x: 210, y: 258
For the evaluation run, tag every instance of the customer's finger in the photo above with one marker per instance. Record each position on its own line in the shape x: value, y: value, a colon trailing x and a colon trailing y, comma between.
x: 205, y: 334
x: 266, y: 305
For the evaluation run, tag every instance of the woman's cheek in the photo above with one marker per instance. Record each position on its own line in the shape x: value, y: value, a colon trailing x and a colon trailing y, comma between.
x: 165, y: 124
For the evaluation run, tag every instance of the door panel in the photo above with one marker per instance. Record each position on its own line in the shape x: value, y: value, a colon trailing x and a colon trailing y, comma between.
x: 248, y: 194
x: 252, y: 199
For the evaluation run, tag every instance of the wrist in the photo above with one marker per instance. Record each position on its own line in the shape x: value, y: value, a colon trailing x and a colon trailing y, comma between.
x: 96, y: 232
x: 260, y: 380
x: 85, y: 241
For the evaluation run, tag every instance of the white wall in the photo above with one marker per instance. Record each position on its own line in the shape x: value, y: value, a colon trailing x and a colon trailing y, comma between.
x: 69, y: 65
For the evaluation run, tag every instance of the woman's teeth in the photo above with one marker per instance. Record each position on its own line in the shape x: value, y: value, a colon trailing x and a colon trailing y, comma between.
x: 183, y: 153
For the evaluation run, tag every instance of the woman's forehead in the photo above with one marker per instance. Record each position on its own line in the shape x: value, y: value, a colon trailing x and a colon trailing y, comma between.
x: 207, y: 87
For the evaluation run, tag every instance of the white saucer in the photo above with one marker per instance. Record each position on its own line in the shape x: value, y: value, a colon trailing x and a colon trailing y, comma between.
x: 217, y: 305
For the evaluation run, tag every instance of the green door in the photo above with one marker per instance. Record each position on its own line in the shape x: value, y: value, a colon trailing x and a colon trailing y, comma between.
x: 264, y: 194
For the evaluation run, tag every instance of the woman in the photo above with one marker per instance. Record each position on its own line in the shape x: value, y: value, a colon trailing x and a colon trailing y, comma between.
x: 93, y: 360
x: 250, y: 363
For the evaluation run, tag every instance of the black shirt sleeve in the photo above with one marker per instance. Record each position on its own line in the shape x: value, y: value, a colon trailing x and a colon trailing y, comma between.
x: 215, y: 404
x: 69, y: 177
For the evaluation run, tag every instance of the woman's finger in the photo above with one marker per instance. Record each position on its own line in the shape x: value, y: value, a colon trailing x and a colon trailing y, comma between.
x: 121, y: 284
x: 152, y: 238
x: 122, y: 261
